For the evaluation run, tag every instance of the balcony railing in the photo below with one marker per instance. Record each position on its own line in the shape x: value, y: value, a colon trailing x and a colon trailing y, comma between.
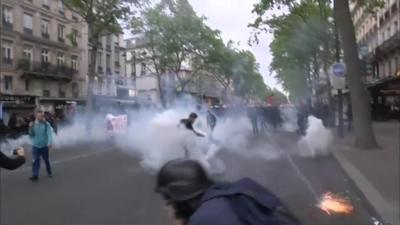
x: 8, y: 61
x: 100, y: 69
x: 117, y: 64
x: 46, y: 35
x: 108, y: 47
x: 7, y: 25
x: 60, y: 39
x: 108, y: 70
x: 28, y: 30
x: 46, y: 93
x: 46, y: 6
x: 45, y: 69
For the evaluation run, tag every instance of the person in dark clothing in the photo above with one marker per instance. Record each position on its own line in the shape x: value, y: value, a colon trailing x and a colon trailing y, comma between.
x: 50, y: 119
x: 12, y: 122
x: 12, y: 163
x: 194, y: 199
x: 188, y: 123
x: 349, y: 115
x: 12, y: 125
x: 211, y: 120
x: 252, y: 113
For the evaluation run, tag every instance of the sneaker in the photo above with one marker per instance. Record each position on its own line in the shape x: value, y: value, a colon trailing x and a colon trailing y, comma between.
x: 50, y: 175
x: 34, y: 178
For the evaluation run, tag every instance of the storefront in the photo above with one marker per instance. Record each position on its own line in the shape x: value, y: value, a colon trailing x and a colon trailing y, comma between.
x: 60, y: 106
x: 23, y: 105
x: 114, y: 104
x: 385, y: 98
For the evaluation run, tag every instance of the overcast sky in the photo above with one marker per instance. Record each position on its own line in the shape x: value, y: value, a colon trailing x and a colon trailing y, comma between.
x: 231, y: 17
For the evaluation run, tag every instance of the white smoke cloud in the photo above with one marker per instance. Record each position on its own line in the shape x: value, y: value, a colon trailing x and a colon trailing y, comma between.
x: 156, y: 136
x: 317, y: 139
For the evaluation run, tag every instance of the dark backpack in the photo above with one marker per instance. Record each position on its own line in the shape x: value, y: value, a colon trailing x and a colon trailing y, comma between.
x: 252, y: 203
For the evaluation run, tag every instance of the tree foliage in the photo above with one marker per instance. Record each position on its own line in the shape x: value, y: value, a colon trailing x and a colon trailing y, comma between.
x: 178, y: 40
x: 360, y: 106
x: 102, y: 18
x: 299, y: 45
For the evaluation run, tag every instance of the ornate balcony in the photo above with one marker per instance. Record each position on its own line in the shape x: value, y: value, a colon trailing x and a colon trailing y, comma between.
x: 44, y: 70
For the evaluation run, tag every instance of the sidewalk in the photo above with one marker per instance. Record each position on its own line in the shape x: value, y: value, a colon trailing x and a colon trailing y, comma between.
x: 375, y: 172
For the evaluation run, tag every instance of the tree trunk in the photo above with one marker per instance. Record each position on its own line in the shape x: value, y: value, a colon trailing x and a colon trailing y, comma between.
x: 160, y: 91
x: 364, y: 135
x: 92, y: 74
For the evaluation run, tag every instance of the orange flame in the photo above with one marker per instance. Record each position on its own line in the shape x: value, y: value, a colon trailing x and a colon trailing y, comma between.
x: 331, y: 203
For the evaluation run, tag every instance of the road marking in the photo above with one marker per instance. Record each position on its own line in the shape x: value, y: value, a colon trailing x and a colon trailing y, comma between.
x: 28, y: 168
x: 302, y: 176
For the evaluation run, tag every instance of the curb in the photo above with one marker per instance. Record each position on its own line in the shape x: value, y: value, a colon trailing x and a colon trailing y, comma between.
x: 376, y: 200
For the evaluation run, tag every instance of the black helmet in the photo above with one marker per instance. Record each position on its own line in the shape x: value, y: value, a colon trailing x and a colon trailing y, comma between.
x: 193, y: 115
x: 182, y: 179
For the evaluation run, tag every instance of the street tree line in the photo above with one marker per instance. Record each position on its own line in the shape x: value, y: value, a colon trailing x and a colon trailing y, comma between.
x: 176, y: 39
x: 305, y: 44
x: 179, y: 42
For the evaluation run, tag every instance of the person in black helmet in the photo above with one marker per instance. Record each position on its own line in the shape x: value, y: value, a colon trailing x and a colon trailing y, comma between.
x: 195, y: 199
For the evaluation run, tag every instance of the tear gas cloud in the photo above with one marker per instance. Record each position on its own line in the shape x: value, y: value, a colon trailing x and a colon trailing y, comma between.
x: 156, y: 136
x: 317, y: 139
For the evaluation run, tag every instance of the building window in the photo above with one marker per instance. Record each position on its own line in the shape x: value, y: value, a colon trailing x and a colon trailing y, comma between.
x: 108, y: 42
x: 99, y: 61
x: 45, y: 56
x: 7, y: 51
x: 27, y: 84
x: 28, y: 25
x: 74, y: 62
x: 46, y: 93
x: 7, y: 15
x: 75, y: 16
x: 60, y: 32
x: 108, y: 63
x: 28, y: 52
x: 74, y: 36
x: 45, y: 4
x: 75, y: 90
x: 61, y: 91
x: 61, y: 5
x: 143, y: 69
x: 45, y: 28
x: 60, y: 58
x: 8, y: 83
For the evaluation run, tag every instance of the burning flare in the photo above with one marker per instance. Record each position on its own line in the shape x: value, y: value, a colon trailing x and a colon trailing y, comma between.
x: 333, y: 203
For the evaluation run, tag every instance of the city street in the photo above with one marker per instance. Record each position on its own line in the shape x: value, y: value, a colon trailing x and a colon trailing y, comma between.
x: 101, y: 185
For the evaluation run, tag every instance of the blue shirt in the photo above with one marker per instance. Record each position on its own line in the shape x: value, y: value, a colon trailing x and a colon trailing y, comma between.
x: 41, y: 134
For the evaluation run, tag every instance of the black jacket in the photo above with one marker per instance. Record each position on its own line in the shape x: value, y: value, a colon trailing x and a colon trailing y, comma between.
x: 11, y: 163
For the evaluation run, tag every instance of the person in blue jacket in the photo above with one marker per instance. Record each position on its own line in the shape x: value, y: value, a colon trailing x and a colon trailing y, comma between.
x: 41, y: 134
x: 194, y: 199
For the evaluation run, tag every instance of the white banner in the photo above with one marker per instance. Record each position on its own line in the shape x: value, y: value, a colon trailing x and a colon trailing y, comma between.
x: 117, y: 124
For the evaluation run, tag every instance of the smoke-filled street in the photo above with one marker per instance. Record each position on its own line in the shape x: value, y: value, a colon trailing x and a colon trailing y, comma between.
x: 98, y: 184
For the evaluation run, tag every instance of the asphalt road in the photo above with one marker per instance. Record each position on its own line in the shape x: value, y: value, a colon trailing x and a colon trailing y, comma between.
x: 99, y: 185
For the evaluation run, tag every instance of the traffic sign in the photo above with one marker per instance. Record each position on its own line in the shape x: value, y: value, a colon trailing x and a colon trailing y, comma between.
x: 364, y: 50
x: 338, y: 69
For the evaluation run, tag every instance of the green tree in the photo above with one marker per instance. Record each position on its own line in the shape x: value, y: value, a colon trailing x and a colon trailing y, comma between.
x: 364, y: 136
x: 177, y: 39
x: 298, y: 48
x: 102, y: 18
